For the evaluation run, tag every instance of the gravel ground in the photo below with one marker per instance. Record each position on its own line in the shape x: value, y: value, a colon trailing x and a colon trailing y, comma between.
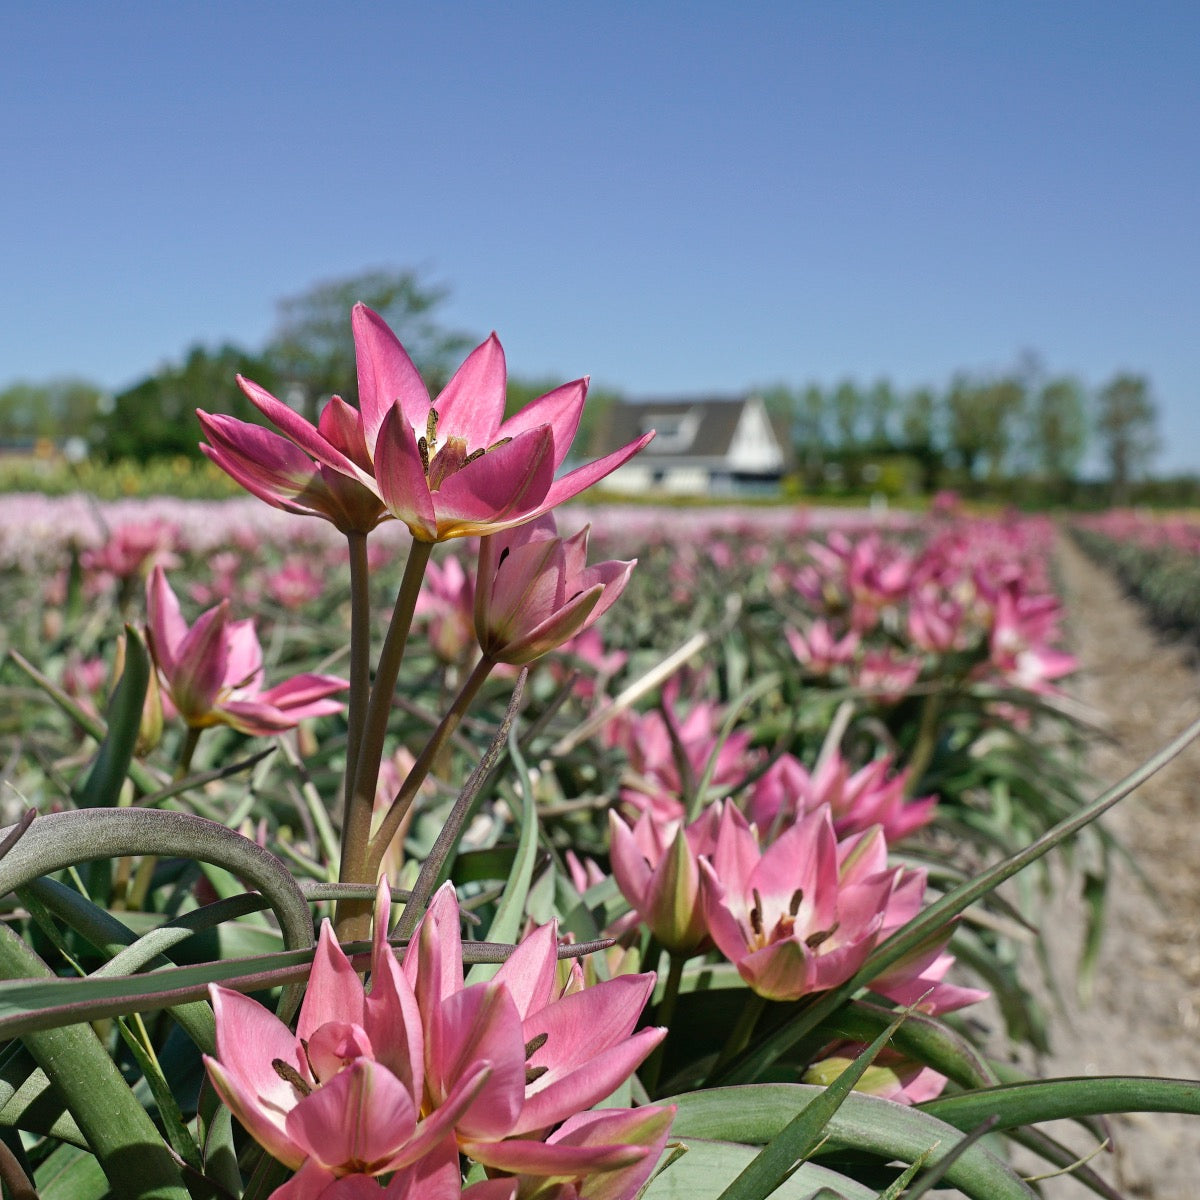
x: 1144, y: 1013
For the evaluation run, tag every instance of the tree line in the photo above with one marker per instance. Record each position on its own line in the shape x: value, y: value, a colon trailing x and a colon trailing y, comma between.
x: 979, y: 433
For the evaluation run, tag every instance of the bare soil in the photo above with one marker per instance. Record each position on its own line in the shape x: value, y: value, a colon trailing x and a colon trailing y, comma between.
x: 1143, y: 1016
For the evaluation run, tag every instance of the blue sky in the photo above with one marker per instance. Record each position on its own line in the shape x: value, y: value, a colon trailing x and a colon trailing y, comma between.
x: 669, y: 197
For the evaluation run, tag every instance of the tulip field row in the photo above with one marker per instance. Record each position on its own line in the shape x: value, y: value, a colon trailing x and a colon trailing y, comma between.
x: 414, y: 830
x: 788, y: 737
x: 1157, y: 559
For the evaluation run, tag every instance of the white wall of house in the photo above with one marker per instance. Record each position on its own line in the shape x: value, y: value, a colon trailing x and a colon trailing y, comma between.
x: 754, y: 449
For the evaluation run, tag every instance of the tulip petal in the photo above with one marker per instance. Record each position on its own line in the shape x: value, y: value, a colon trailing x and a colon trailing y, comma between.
x: 335, y: 992
x: 560, y: 409
x: 472, y: 404
x: 574, y: 482
x: 400, y: 476
x: 166, y: 625
x: 386, y: 375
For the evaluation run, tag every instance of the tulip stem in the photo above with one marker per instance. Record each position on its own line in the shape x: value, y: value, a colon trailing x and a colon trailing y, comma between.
x: 353, y: 919
x: 664, y: 1016
x: 360, y: 654
x: 186, y: 751
x: 740, y: 1034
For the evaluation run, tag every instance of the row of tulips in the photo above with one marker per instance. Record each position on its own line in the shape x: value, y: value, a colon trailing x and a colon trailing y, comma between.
x: 717, y: 818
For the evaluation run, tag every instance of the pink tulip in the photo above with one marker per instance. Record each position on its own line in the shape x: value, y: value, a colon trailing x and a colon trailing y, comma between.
x: 534, y: 590
x: 890, y: 1076
x: 342, y: 1096
x: 872, y: 795
x: 657, y: 867
x: 446, y: 468
x: 793, y: 918
x: 320, y: 471
x: 212, y: 672
x: 553, y: 1048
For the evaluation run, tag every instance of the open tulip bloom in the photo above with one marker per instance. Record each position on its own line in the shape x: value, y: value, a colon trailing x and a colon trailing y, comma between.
x: 377, y: 1081
x: 450, y: 467
x: 212, y: 672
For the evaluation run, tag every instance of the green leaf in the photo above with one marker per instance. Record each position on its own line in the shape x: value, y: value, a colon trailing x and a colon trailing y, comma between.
x: 506, y: 924
x: 1053, y: 1099
x: 708, y: 1165
x: 755, y: 1114
x: 804, y: 1132
x: 102, y: 788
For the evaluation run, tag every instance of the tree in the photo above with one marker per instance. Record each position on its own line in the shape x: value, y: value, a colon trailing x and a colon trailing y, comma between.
x: 1057, y: 431
x: 313, y: 347
x: 1126, y: 420
x: 980, y: 416
x: 58, y: 409
x: 880, y: 403
x: 156, y: 417
x: 918, y: 434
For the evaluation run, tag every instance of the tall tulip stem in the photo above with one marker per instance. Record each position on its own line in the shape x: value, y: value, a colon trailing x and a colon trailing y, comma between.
x: 360, y: 657
x: 354, y: 916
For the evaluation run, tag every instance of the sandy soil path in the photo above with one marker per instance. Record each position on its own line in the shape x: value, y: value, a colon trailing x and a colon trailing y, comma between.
x: 1144, y: 1016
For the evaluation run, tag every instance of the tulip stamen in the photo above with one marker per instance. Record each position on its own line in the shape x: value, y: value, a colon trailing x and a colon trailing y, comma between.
x: 535, y: 1044
x: 533, y: 1074
x: 796, y: 901
x: 756, y: 915
x: 822, y: 935
x: 289, y: 1074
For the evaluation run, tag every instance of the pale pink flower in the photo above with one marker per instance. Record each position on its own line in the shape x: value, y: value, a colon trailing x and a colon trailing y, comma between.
x: 535, y: 590
x: 212, y: 672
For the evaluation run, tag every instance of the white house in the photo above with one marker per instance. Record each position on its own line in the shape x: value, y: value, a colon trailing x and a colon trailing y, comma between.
x: 711, y: 446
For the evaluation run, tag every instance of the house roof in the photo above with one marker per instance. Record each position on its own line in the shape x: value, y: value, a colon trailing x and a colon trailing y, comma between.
x: 688, y: 427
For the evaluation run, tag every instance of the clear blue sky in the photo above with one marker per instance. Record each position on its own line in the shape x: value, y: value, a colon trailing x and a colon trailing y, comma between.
x: 670, y: 197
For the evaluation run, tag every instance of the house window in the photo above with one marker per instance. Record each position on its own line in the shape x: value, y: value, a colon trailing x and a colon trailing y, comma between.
x: 675, y: 431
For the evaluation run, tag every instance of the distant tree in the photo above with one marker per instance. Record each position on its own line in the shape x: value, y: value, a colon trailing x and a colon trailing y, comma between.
x: 848, y: 409
x: 880, y: 405
x: 980, y: 420
x: 156, y: 417
x: 811, y: 435
x: 1057, y: 431
x: 57, y: 409
x: 1126, y: 420
x: 918, y: 435
x: 313, y: 347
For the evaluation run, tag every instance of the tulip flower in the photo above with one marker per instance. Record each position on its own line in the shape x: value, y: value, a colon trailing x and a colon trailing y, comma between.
x: 212, y: 673
x: 450, y: 467
x: 342, y: 1095
x: 534, y: 590
x: 657, y: 867
x: 792, y: 918
x: 553, y: 1048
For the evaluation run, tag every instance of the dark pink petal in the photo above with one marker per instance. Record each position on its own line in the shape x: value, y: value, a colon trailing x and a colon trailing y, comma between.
x: 243, y: 667
x: 315, y: 1182
x: 433, y: 959
x: 364, y: 1116
x: 502, y: 487
x: 256, y: 719
x: 341, y: 425
x: 574, y: 482
x: 201, y: 663
x: 302, y: 690
x: 781, y: 971
x: 648, y: 1126
x: 560, y: 409
x: 559, y: 627
x: 472, y: 404
x: 392, y: 1019
x: 335, y: 992
x: 400, y: 476
x: 166, y: 625
x: 296, y: 428
x: 629, y: 866
x: 723, y: 927
x: 385, y: 375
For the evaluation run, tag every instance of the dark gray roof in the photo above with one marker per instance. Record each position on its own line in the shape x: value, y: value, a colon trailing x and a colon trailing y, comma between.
x: 714, y: 419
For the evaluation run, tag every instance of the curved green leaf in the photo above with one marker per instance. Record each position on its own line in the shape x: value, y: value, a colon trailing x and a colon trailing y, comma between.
x: 755, y: 1114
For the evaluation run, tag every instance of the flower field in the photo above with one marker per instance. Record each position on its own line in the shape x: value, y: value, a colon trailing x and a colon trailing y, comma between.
x: 412, y: 828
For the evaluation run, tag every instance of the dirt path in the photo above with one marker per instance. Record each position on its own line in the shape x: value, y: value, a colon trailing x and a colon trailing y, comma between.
x: 1144, y: 1016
